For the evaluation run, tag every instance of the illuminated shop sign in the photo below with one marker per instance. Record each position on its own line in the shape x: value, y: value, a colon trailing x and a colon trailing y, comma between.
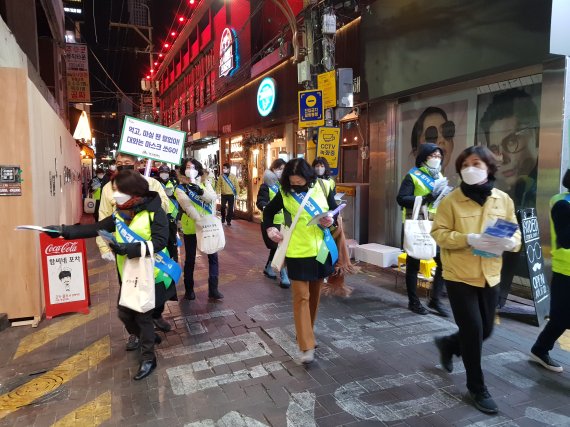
x: 229, y: 58
x: 266, y: 95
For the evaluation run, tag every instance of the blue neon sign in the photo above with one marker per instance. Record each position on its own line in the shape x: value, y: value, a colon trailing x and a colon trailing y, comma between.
x: 266, y: 95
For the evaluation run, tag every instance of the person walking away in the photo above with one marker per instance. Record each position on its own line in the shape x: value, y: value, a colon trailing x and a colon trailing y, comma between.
x: 312, y: 252
x: 323, y: 171
x: 560, y: 285
x: 139, y: 213
x: 96, y: 185
x: 109, y: 173
x: 424, y: 180
x: 196, y: 198
x: 267, y: 192
x: 228, y: 188
x: 471, y: 279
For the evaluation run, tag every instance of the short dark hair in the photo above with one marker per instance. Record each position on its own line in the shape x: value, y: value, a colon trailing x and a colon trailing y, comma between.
x: 226, y: 165
x: 484, y: 154
x: 99, y: 170
x: 131, y: 182
x: 197, y: 165
x: 298, y: 167
x: 566, y: 180
x: 277, y: 163
x: 133, y: 157
x: 64, y: 273
x: 419, y: 125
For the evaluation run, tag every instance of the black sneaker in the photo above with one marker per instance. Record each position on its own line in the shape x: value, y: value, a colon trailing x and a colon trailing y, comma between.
x: 438, y: 308
x: 484, y: 402
x: 445, y: 356
x: 132, y: 343
x: 162, y: 324
x: 418, y: 308
x: 546, y: 362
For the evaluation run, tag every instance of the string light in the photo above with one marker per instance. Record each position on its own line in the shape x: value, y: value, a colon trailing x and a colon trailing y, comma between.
x: 173, y: 34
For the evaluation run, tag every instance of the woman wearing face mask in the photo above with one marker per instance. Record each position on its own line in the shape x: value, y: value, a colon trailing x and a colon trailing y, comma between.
x: 228, y: 187
x: 424, y: 180
x: 323, y: 171
x: 139, y: 210
x: 196, y: 197
x: 96, y: 186
x: 169, y: 184
x: 267, y: 192
x: 311, y: 253
x: 471, y: 279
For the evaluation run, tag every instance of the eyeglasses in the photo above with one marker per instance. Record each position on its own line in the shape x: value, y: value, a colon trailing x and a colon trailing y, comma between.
x: 514, y: 142
x: 447, y: 131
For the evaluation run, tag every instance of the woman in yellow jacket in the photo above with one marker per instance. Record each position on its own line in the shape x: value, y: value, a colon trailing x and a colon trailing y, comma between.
x: 312, y: 252
x: 471, y: 279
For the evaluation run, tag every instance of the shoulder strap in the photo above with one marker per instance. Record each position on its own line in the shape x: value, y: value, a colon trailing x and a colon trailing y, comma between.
x: 323, y: 187
x: 301, y: 207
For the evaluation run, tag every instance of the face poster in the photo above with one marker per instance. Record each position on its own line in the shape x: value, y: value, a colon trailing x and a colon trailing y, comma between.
x: 508, y: 123
x: 448, y: 121
x: 66, y: 279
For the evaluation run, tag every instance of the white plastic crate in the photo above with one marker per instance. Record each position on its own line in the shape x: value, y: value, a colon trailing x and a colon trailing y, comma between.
x: 376, y: 254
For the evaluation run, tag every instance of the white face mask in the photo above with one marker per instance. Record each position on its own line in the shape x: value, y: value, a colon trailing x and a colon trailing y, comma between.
x: 320, y: 170
x: 472, y: 175
x: 191, y: 173
x: 279, y: 173
x: 224, y: 170
x: 100, y: 175
x: 164, y: 176
x: 169, y: 191
x: 433, y: 163
x: 121, y: 198
x: 112, y: 168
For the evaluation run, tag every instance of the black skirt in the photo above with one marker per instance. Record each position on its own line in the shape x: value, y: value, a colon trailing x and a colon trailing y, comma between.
x: 306, y: 269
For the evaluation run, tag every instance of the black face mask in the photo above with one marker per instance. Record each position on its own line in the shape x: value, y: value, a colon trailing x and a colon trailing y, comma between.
x: 299, y: 188
x: 125, y: 167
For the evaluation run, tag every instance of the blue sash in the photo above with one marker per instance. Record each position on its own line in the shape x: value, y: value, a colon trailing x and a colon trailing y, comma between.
x: 312, y: 208
x: 230, y: 184
x: 196, y: 199
x: 161, y: 261
x: 423, y: 177
x: 274, y: 188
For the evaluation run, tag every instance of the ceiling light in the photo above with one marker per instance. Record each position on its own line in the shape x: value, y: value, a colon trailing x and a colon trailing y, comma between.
x: 166, y: 45
x: 173, y: 34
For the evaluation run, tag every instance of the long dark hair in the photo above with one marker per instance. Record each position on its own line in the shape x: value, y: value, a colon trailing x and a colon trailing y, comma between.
x: 199, y: 167
x: 484, y: 154
x: 325, y: 163
x: 277, y: 163
x: 298, y: 167
x: 131, y: 182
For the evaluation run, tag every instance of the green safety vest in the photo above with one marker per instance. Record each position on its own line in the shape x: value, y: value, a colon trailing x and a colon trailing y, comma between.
x: 306, y: 241
x: 420, y: 189
x: 97, y: 194
x: 279, y: 218
x: 560, y: 256
x: 188, y: 224
x: 140, y: 225
x: 172, y: 208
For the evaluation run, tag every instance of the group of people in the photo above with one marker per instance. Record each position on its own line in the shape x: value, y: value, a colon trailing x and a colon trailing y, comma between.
x: 464, y: 264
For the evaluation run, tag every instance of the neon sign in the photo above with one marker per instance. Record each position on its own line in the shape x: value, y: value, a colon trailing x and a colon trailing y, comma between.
x: 266, y: 95
x: 229, y: 58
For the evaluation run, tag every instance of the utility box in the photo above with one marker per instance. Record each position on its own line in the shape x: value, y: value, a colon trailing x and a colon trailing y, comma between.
x: 345, y: 88
x: 355, y: 214
x: 376, y: 254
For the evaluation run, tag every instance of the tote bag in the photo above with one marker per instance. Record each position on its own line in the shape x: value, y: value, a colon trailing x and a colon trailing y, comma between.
x: 138, y: 288
x: 418, y: 242
x: 279, y: 257
x: 89, y: 205
x: 210, y: 236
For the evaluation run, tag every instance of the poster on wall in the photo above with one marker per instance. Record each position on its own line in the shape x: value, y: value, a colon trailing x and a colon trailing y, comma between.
x: 448, y: 121
x: 508, y: 122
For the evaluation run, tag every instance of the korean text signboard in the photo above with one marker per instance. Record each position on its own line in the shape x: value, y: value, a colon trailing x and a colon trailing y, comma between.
x: 327, y: 83
x: 10, y: 181
x: 311, y: 108
x: 66, y: 282
x: 535, y: 262
x: 77, y: 67
x: 328, y: 144
x: 152, y: 141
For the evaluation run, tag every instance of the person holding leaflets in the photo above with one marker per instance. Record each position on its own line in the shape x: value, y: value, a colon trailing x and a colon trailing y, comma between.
x: 196, y: 198
x: 424, y: 180
x: 323, y: 171
x: 312, y: 252
x: 470, y: 270
x: 96, y: 185
x: 267, y: 192
x: 169, y: 184
x: 138, y: 218
x: 228, y: 187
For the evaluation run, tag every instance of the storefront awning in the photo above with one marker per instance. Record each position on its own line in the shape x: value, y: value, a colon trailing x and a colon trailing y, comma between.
x: 202, y: 137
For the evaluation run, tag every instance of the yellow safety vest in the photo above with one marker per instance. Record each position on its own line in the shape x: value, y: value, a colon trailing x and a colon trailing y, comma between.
x: 420, y: 189
x: 188, y: 224
x: 140, y: 225
x: 279, y: 218
x: 172, y: 208
x: 306, y: 240
x: 97, y: 194
x: 560, y: 256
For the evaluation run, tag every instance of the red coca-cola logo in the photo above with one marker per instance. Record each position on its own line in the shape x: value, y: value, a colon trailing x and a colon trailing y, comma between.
x: 66, y: 248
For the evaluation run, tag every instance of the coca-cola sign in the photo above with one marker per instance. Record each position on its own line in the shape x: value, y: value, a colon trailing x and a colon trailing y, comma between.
x: 66, y: 248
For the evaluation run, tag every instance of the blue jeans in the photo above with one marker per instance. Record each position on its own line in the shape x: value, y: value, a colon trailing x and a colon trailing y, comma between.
x: 190, y: 244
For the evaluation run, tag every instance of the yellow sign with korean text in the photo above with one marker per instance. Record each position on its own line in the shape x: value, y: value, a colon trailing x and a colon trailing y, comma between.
x: 328, y: 144
x: 327, y: 83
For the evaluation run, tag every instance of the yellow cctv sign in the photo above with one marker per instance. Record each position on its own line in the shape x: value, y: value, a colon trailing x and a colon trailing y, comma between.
x: 328, y: 144
x: 327, y: 83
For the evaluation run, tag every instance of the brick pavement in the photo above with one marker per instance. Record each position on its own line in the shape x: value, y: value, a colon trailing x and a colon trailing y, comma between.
x: 234, y: 363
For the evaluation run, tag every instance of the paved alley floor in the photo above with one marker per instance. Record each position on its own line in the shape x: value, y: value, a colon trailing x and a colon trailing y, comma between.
x: 235, y: 363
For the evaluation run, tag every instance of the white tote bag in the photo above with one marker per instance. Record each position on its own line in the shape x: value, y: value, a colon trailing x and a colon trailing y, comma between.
x: 279, y: 257
x: 89, y: 205
x: 210, y: 237
x: 138, y: 288
x: 418, y: 242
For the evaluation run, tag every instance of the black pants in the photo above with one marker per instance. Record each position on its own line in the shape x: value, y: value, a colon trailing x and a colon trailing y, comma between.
x: 96, y: 212
x: 559, y: 314
x: 172, y: 247
x: 190, y: 261
x: 140, y: 324
x: 229, y: 200
x: 474, y: 312
x: 412, y: 270
x: 269, y: 244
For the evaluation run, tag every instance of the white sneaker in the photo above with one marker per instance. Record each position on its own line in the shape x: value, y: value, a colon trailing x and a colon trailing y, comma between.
x: 308, y: 356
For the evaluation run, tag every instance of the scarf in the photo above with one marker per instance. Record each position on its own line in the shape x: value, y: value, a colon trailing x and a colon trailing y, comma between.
x: 434, y: 172
x: 478, y: 192
x: 269, y: 177
x: 133, y: 206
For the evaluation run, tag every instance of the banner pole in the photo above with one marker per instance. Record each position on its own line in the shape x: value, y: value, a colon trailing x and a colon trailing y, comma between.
x: 147, y: 167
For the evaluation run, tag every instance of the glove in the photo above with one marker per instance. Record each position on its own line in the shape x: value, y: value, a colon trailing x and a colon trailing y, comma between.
x: 57, y: 231
x: 131, y: 250
x: 430, y: 198
x: 196, y: 189
x: 274, y: 234
x: 506, y: 243
x: 108, y: 256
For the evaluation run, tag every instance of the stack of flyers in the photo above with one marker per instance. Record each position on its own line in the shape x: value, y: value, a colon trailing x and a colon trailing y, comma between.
x: 498, y: 229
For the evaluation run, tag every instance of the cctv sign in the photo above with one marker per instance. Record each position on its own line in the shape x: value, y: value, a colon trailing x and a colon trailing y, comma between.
x: 328, y: 146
